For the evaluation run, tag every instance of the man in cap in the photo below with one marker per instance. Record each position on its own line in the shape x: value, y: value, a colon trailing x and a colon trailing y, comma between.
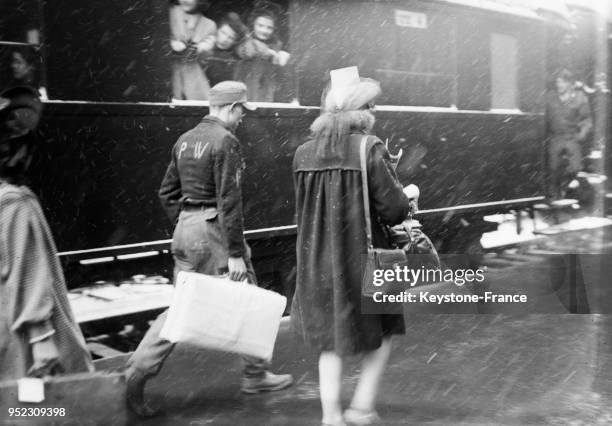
x: 38, y: 333
x: 201, y: 192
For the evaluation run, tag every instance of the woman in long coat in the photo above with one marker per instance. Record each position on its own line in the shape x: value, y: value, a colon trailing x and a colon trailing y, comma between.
x: 331, y: 246
x: 38, y: 332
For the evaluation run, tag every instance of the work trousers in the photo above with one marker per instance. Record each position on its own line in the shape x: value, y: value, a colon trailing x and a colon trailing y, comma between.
x: 197, y: 246
x: 564, y: 162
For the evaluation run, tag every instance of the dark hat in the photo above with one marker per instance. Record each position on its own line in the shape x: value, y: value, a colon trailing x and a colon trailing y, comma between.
x: 24, y: 104
x: 232, y: 19
x: 265, y: 8
x: 229, y: 92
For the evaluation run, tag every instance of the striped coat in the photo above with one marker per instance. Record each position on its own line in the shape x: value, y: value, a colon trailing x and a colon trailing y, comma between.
x: 33, y: 294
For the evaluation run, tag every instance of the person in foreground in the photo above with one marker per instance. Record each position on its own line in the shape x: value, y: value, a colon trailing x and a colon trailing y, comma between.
x: 331, y: 244
x: 201, y: 192
x: 38, y: 333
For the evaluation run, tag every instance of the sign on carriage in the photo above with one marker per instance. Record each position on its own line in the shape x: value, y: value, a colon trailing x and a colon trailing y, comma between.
x: 405, y: 18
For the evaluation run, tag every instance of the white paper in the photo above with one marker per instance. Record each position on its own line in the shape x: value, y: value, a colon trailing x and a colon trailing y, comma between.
x: 216, y: 313
x: 30, y: 390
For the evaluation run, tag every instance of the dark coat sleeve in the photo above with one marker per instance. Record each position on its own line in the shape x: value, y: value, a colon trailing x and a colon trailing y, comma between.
x: 228, y: 171
x: 386, y: 193
x: 251, y: 48
x: 170, y: 191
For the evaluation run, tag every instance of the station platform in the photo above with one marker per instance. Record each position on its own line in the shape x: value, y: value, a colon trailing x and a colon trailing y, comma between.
x: 533, y: 364
x: 447, y: 370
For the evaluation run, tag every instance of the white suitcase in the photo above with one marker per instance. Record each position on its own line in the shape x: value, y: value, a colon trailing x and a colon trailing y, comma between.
x: 217, y: 313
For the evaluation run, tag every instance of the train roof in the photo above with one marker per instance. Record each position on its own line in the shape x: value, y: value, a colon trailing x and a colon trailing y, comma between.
x: 534, y: 9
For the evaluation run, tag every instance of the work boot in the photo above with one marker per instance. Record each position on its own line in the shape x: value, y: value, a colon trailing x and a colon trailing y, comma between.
x: 266, y: 383
x: 135, y: 395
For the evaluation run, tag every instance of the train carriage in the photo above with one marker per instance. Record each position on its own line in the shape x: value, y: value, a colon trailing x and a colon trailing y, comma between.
x: 463, y: 95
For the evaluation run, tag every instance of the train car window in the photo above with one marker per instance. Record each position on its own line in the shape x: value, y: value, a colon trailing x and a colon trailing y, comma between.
x: 247, y: 44
x: 113, y: 50
x: 21, y: 56
x: 120, y: 51
x: 20, y: 21
x: 504, y: 71
x: 408, y: 46
x: 420, y: 68
x: 21, y: 65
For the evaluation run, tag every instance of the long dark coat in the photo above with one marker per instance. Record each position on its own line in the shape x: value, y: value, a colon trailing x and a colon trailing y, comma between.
x: 331, y: 244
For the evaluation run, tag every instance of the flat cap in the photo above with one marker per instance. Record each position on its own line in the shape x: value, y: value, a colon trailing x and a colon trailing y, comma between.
x: 229, y: 92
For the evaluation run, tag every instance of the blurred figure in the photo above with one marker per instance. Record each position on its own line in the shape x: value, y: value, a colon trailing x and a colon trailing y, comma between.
x: 261, y: 53
x: 25, y: 69
x: 598, y: 96
x: 191, y: 35
x: 38, y: 332
x: 22, y: 66
x: 569, y: 124
x: 332, y: 245
x: 221, y: 64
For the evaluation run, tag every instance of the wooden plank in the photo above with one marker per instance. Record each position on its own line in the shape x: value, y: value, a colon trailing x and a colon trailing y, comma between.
x: 94, y: 305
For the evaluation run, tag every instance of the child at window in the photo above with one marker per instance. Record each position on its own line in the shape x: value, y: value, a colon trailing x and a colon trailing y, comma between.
x: 261, y: 54
x: 221, y: 64
x: 191, y: 35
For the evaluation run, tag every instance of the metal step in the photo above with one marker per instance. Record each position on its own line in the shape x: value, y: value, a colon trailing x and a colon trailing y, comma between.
x: 562, y: 204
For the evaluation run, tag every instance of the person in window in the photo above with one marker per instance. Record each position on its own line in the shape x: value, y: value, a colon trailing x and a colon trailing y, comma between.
x: 221, y: 64
x: 38, y: 332
x: 191, y: 35
x: 24, y: 70
x: 569, y: 124
x: 261, y: 53
x: 332, y: 245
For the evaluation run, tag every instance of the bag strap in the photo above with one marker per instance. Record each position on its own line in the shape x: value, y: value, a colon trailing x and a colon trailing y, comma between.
x: 364, y: 190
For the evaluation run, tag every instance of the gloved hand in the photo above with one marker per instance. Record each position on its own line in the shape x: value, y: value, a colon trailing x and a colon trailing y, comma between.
x: 191, y: 52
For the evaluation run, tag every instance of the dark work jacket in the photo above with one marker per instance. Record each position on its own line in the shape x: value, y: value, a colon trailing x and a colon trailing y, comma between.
x: 205, y: 169
x: 568, y: 118
x: 331, y: 244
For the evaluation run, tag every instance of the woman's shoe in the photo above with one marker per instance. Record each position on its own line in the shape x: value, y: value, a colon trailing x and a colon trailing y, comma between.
x: 355, y: 417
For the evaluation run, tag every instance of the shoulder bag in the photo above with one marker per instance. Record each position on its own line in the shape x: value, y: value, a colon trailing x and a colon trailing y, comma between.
x: 376, y: 258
